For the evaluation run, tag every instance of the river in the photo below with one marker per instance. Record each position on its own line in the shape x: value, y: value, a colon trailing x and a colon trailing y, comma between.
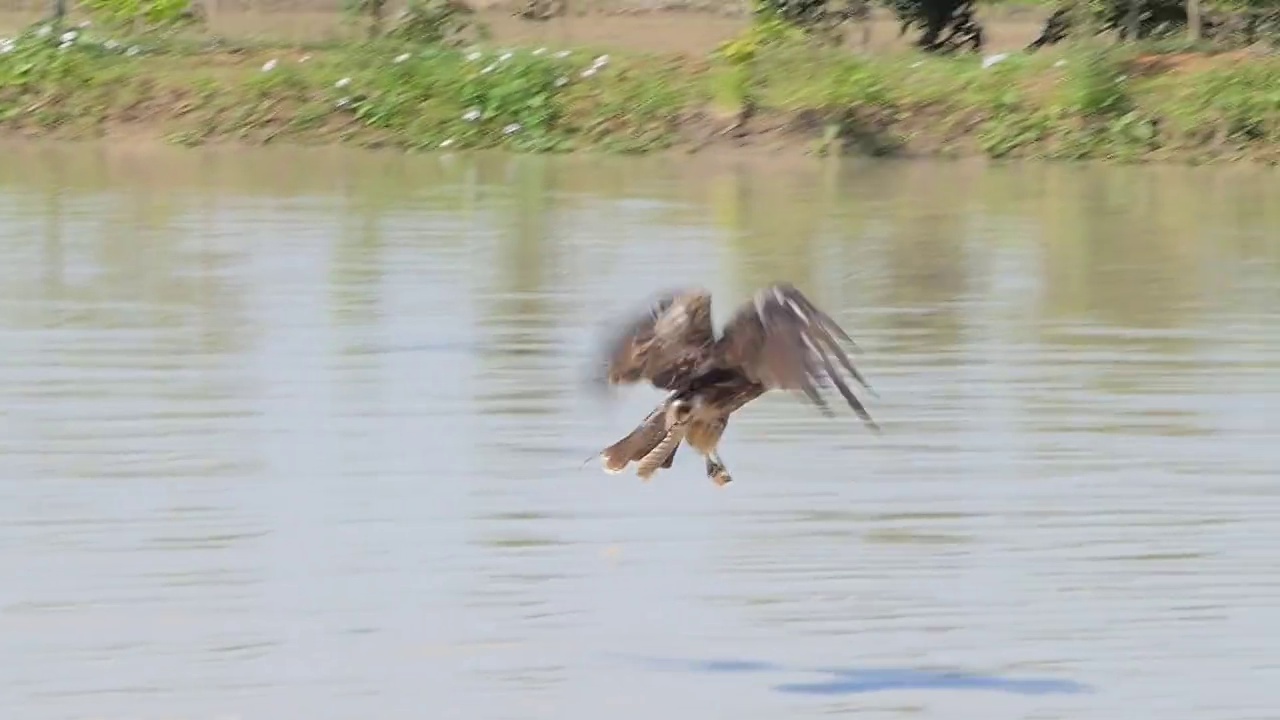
x: 299, y: 433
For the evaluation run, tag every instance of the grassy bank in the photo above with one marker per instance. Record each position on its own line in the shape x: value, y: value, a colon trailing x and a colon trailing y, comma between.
x: 1082, y: 102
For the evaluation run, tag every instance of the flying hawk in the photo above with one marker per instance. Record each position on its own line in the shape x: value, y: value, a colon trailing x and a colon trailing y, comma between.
x: 777, y: 341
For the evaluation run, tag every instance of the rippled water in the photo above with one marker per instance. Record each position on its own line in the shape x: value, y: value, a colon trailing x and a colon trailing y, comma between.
x: 298, y: 434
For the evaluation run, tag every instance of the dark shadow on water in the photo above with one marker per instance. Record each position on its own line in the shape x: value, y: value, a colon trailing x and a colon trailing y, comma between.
x: 850, y: 681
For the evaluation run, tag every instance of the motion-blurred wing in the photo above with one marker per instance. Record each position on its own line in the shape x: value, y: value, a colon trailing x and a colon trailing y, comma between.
x: 783, y: 341
x: 662, y: 344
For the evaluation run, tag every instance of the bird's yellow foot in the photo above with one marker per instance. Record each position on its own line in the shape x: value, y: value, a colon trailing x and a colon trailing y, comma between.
x: 718, y: 473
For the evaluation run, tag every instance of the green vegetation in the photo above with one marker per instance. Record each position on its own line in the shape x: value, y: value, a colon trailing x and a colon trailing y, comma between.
x: 1077, y: 100
x: 136, y: 15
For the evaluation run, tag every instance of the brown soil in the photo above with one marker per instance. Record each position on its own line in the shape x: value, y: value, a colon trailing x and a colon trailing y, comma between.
x: 696, y: 33
x: 624, y: 26
x: 1189, y: 62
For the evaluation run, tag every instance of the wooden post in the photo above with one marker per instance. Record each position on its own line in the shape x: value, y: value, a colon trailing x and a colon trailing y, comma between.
x: 1193, y: 19
x: 59, y: 12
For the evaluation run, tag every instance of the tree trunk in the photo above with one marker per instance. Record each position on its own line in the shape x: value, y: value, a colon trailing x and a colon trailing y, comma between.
x: 376, y: 15
x: 1193, y: 19
x: 1133, y: 21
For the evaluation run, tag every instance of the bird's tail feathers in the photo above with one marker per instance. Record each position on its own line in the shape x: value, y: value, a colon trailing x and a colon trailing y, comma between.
x: 637, y: 444
x: 663, y: 453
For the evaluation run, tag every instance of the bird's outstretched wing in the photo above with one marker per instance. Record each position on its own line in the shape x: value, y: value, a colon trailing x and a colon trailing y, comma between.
x: 662, y: 344
x: 783, y: 341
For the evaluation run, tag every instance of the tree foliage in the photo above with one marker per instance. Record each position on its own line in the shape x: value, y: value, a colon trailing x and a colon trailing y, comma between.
x: 143, y: 14
x: 944, y: 25
x: 952, y: 25
x: 1234, y: 22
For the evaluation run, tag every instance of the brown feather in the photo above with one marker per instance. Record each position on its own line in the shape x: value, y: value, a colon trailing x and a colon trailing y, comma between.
x: 778, y: 340
x: 663, y: 344
x: 637, y: 443
x: 783, y: 341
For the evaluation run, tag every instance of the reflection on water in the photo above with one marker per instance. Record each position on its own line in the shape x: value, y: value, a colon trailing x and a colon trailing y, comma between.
x: 849, y: 681
x: 298, y: 434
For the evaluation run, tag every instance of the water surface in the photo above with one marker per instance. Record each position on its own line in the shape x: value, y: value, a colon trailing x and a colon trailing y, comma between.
x: 298, y: 434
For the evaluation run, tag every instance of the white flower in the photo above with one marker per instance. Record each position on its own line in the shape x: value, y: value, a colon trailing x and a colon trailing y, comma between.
x: 601, y: 61
x: 993, y: 59
x: 511, y: 129
x: 446, y: 143
x: 562, y: 54
x: 506, y: 56
x: 133, y: 50
x: 562, y: 81
x: 474, y: 56
x: 269, y: 65
x: 1060, y: 63
x: 44, y: 31
x: 111, y: 44
x: 490, y: 68
x: 539, y: 51
x: 64, y: 45
x: 401, y: 58
x: 471, y: 115
x: 588, y: 72
x: 343, y: 82
x: 6, y: 46
x: 69, y: 36
x: 342, y: 102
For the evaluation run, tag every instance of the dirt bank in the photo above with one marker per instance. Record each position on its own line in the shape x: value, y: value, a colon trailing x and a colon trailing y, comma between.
x: 532, y: 93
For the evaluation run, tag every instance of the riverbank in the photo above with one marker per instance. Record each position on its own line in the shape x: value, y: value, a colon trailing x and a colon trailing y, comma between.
x: 1099, y: 103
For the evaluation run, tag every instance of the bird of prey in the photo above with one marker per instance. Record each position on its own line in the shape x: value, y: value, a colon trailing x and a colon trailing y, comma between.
x: 779, y: 340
